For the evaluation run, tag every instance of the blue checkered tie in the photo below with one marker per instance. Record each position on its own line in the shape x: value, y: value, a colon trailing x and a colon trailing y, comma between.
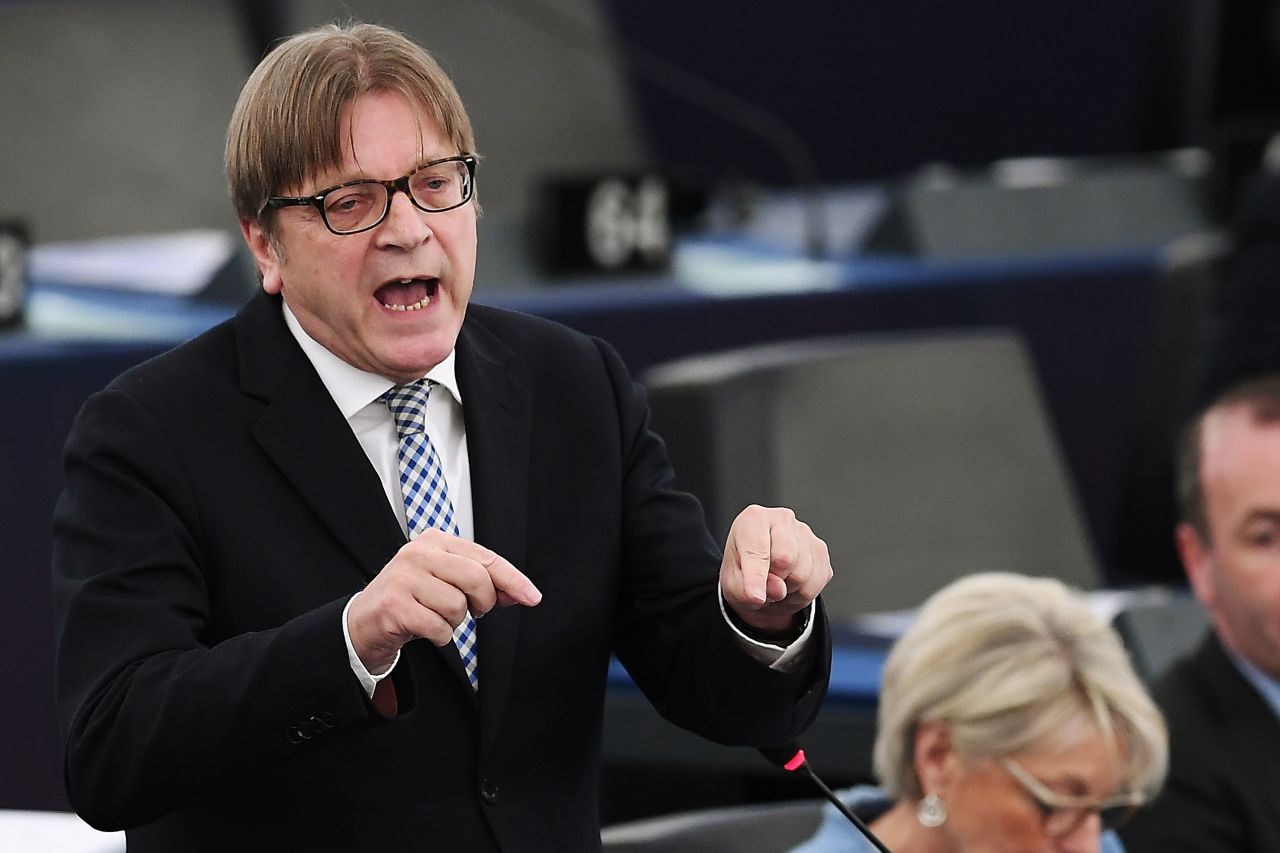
x: 426, y: 497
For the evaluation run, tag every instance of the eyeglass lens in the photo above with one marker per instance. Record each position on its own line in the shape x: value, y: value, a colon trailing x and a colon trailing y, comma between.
x: 432, y: 188
x: 1059, y: 822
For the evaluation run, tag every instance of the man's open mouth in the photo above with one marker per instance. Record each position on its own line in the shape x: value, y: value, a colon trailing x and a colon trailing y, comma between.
x: 407, y: 294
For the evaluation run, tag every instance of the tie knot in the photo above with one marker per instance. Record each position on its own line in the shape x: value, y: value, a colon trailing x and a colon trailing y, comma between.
x: 408, y: 405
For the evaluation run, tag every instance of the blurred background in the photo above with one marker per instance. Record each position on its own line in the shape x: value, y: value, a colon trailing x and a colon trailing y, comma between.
x: 115, y: 111
x: 944, y: 272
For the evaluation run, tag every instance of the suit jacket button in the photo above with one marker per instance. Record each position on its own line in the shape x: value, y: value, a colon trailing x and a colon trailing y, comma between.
x: 488, y: 791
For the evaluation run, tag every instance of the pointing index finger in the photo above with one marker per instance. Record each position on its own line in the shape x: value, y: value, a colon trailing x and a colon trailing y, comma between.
x: 751, y: 546
x: 512, y: 586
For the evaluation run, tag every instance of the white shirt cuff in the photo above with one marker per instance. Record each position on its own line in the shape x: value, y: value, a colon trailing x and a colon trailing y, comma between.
x: 367, y: 680
x: 782, y: 658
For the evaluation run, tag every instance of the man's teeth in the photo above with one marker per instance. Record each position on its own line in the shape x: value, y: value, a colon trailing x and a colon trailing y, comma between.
x: 416, y: 306
x: 421, y: 303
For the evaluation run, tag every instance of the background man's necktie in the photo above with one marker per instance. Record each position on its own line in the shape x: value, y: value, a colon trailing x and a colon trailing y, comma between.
x: 426, y: 496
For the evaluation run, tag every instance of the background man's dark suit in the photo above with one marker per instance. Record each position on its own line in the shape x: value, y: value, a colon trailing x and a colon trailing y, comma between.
x: 1225, y: 754
x: 218, y: 515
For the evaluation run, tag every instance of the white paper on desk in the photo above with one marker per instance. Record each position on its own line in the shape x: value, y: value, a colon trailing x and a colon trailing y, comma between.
x: 177, y: 264
x: 771, y: 253
x: 32, y: 831
x: 721, y: 270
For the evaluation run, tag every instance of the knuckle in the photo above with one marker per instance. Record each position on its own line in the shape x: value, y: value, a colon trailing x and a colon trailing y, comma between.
x: 439, y: 632
x: 459, y: 606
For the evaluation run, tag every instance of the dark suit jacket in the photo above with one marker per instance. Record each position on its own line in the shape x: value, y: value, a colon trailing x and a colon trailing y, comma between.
x: 1223, y: 791
x: 218, y: 514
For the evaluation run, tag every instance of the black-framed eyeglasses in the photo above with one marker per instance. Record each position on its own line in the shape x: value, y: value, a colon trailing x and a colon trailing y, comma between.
x: 360, y: 205
x: 1063, y: 814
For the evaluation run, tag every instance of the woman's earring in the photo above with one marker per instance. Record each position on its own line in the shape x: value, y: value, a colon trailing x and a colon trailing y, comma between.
x: 931, y: 811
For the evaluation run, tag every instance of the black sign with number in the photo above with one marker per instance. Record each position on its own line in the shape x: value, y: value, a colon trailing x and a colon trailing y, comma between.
x: 608, y: 224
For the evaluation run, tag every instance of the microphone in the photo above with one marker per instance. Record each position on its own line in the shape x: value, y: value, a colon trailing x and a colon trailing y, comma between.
x: 790, y: 757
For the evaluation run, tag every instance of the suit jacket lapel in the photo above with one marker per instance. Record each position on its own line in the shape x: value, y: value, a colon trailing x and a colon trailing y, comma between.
x: 305, y: 435
x: 497, y: 414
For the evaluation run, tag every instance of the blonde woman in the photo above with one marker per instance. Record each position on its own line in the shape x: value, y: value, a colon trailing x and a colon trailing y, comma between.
x: 1010, y: 720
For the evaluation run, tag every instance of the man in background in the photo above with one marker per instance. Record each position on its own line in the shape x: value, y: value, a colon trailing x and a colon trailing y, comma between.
x: 1223, y: 700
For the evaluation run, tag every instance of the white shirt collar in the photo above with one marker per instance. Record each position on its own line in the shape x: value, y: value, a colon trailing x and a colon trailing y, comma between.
x: 352, y: 388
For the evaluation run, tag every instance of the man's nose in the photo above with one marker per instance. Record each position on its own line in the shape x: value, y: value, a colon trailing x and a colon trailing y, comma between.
x: 405, y: 226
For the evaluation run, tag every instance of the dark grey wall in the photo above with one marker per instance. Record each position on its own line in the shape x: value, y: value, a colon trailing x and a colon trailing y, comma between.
x: 112, y: 113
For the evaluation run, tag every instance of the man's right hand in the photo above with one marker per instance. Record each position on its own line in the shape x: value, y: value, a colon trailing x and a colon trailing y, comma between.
x: 426, y: 591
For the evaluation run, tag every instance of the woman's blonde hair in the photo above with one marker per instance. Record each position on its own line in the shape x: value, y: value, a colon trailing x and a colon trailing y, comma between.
x: 286, y: 125
x: 1009, y: 663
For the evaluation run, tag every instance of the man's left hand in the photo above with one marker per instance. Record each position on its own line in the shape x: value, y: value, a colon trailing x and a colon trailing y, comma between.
x: 774, y: 567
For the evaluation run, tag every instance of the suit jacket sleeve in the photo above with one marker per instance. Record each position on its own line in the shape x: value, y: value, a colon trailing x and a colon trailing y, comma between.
x: 702, y: 680
x: 154, y: 710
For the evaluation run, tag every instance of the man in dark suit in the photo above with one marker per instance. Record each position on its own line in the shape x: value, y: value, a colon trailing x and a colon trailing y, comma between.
x: 260, y: 528
x: 1223, y: 700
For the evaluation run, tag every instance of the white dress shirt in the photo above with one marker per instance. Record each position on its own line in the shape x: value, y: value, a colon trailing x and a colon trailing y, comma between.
x: 357, y: 394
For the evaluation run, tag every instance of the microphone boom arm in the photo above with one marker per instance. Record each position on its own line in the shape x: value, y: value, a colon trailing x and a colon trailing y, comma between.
x: 790, y: 757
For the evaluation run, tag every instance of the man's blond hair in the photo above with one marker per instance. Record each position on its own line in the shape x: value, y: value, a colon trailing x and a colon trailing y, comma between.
x: 287, y: 124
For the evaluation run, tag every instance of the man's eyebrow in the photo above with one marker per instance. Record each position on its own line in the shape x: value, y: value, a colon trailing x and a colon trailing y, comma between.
x: 436, y: 158
x: 359, y: 173
x: 1261, y: 514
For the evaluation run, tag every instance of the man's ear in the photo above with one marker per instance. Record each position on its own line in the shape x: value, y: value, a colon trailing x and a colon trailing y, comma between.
x: 1197, y: 561
x: 264, y: 254
x: 934, y: 759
